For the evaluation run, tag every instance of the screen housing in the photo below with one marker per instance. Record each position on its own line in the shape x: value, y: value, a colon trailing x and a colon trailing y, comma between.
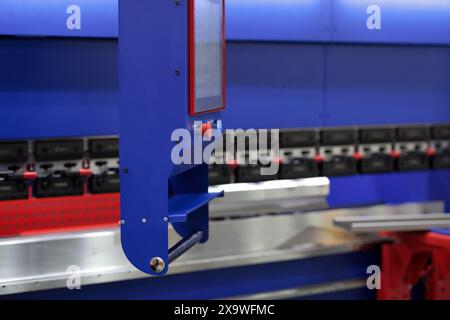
x: 194, y: 109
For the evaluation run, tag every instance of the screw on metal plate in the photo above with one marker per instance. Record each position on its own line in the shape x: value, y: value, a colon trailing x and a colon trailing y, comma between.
x: 122, y: 221
x: 125, y: 170
x: 177, y: 72
x: 144, y: 220
x: 166, y: 219
x: 177, y: 2
x: 157, y: 264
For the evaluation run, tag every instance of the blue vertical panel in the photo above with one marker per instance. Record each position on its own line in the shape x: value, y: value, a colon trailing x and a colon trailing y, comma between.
x: 153, y: 101
x: 280, y: 20
x: 402, y: 21
x: 387, y: 85
x: 99, y: 18
x: 274, y: 85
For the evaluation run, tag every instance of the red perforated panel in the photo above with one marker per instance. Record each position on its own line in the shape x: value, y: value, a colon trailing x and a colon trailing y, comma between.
x: 21, y: 217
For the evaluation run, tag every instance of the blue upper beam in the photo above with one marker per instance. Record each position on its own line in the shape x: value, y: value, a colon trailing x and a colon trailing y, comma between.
x: 59, y: 18
x: 392, y: 21
x: 369, y: 21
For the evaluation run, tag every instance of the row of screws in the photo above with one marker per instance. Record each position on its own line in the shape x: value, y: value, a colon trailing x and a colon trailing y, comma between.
x: 144, y: 220
x: 177, y: 72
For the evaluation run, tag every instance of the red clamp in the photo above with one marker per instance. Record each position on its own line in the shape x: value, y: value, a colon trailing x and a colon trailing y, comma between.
x: 85, y: 172
x: 278, y: 160
x: 395, y: 154
x: 319, y: 158
x: 431, y: 152
x: 233, y: 164
x: 416, y: 256
x: 358, y: 156
x: 206, y: 128
x: 30, y: 175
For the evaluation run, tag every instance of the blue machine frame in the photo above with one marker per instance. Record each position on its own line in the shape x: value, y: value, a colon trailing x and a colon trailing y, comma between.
x: 317, y: 65
x: 154, y: 101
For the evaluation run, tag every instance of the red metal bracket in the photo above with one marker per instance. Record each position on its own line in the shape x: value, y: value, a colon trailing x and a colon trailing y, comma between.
x: 415, y: 256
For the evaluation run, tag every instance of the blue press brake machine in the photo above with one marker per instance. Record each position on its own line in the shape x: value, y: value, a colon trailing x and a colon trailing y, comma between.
x: 289, y: 64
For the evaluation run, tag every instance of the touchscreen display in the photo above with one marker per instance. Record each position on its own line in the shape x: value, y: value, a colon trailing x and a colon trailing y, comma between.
x: 208, y: 56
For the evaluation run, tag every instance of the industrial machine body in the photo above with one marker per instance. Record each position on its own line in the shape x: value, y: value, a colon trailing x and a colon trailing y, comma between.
x: 362, y: 102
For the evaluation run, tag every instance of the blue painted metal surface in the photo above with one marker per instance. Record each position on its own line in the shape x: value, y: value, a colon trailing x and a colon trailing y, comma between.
x: 407, y: 22
x: 58, y: 88
x: 254, y: 20
x: 223, y: 283
x: 147, y: 121
x: 275, y: 85
x: 340, y: 21
x: 97, y: 18
x: 68, y: 87
x: 296, y: 85
x: 392, y: 188
x: 387, y: 85
x: 281, y: 20
x: 154, y: 101
x: 443, y: 231
x: 52, y: 88
x: 181, y: 206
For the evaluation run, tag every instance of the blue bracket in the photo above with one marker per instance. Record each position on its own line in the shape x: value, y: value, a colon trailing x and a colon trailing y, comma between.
x: 181, y: 206
x: 154, y: 101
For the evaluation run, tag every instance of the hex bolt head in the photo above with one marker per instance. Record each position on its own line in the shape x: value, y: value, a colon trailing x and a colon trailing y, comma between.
x: 157, y: 264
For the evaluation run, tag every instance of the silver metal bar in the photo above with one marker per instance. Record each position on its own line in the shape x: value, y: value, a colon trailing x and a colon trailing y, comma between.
x: 414, y: 222
x: 246, y: 199
x: 184, y: 245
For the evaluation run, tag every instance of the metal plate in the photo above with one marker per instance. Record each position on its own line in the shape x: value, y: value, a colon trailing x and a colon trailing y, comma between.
x: 276, y: 196
x: 405, y: 222
x: 41, y: 262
